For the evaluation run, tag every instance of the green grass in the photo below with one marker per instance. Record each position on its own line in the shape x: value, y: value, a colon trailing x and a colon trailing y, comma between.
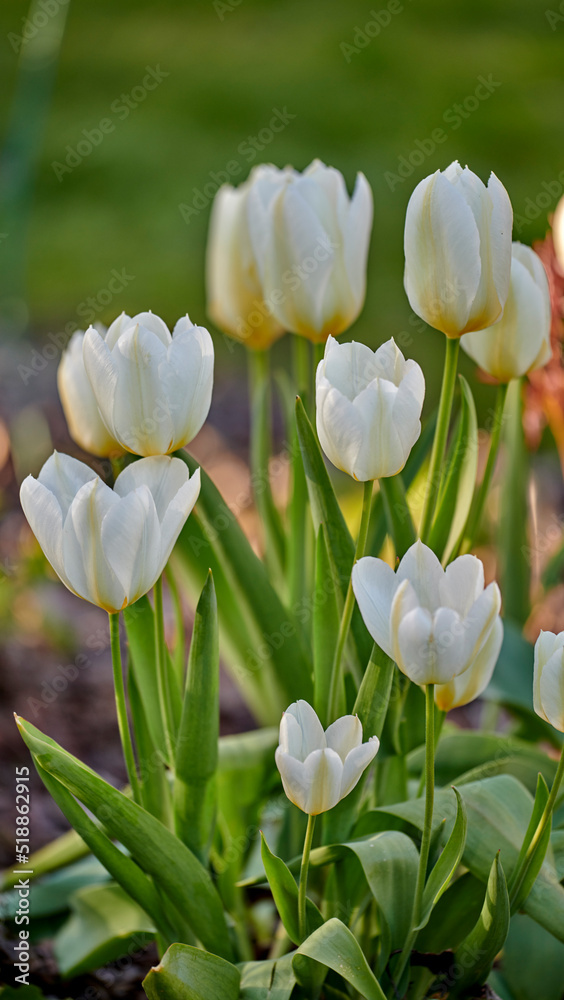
x: 119, y: 207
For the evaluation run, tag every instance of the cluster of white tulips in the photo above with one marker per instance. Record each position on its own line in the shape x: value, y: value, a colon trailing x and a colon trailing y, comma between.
x: 287, y: 252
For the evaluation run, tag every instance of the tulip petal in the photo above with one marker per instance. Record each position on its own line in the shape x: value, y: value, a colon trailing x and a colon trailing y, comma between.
x: 552, y: 690
x: 479, y: 620
x: 462, y: 583
x: 149, y: 321
x: 423, y: 570
x: 546, y: 645
x: 177, y: 513
x: 102, y: 372
x: 131, y: 539
x: 501, y: 227
x: 322, y: 778
x: 474, y: 680
x: 83, y: 417
x: 88, y: 570
x: 164, y: 476
x: 141, y: 413
x: 356, y: 762
x: 64, y: 476
x: 416, y: 653
x: 374, y: 584
x: 350, y: 367
x: 43, y: 512
x: 344, y: 735
x: 291, y: 740
x: 356, y: 237
x: 382, y: 452
x: 313, y: 736
x: 293, y: 777
x: 187, y: 382
x: 115, y: 330
x: 340, y: 427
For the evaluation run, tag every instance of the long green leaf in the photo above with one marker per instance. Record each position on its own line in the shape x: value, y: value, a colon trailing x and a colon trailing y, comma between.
x: 249, y: 581
x: 398, y: 515
x: 541, y: 798
x: 197, y: 747
x: 447, y: 863
x: 267, y: 980
x: 474, y: 958
x: 187, y: 973
x: 157, y: 851
x: 285, y: 894
x: 334, y: 946
x: 326, y: 618
x: 374, y: 694
x: 455, y: 500
x: 104, y: 925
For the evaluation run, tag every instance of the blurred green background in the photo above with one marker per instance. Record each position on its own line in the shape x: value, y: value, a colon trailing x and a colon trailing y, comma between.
x: 228, y: 65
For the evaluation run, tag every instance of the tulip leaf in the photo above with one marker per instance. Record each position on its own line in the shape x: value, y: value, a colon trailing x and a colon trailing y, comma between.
x: 140, y: 627
x: 336, y: 947
x: 187, y: 973
x: 155, y: 849
x: 373, y: 698
x: 513, y: 542
x: 499, y: 811
x: 326, y: 510
x: 533, y: 961
x: 268, y: 980
x: 153, y: 781
x: 447, y: 863
x: 453, y: 917
x: 398, y: 514
x: 475, y: 956
x: 122, y: 868
x: 249, y: 581
x: 326, y: 618
x: 285, y: 894
x: 457, y: 489
x: 518, y: 895
x: 197, y: 746
x: 104, y: 924
x: 261, y: 449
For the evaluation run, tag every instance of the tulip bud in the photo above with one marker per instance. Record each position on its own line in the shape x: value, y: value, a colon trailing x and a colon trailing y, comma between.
x: 85, y: 424
x: 310, y: 242
x: 236, y: 302
x: 318, y: 768
x: 520, y: 341
x: 368, y: 406
x: 458, y: 250
x: 109, y: 546
x: 153, y: 389
x: 548, y: 679
x: 433, y: 622
x: 558, y: 233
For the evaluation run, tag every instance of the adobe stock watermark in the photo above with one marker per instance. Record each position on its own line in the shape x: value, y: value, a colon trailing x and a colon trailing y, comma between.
x: 545, y: 199
x: 31, y: 26
x: 249, y: 148
x: 362, y: 36
x: 224, y: 7
x: 454, y: 117
x: 121, y: 108
x: 88, y: 310
x: 555, y: 17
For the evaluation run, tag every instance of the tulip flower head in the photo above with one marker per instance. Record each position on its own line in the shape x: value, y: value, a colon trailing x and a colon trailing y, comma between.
x: 434, y: 623
x: 109, y: 546
x: 520, y: 341
x: 85, y: 423
x: 319, y: 768
x: 368, y: 406
x: 234, y: 291
x: 458, y: 250
x: 153, y: 388
x: 548, y: 679
x: 310, y: 241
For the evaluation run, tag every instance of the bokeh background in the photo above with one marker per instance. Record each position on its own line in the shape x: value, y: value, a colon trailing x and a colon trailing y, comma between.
x: 137, y: 203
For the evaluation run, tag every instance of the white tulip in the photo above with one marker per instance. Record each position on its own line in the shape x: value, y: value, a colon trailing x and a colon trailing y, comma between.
x: 368, y: 406
x: 520, y: 341
x: 458, y: 250
x: 469, y: 685
x: 85, y: 424
x: 235, y: 298
x: 433, y: 622
x: 318, y: 768
x: 558, y: 233
x: 109, y: 546
x: 548, y: 679
x: 153, y: 389
x: 310, y: 241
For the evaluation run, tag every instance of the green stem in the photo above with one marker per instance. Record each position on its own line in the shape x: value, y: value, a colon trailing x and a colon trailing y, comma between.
x: 476, y: 513
x: 121, y: 707
x: 441, y: 434
x: 162, y: 670
x: 304, y: 869
x: 427, y: 827
x: 348, y: 608
x: 520, y: 873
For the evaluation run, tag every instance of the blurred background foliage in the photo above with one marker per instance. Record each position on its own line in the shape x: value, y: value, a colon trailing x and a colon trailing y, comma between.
x: 229, y: 64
